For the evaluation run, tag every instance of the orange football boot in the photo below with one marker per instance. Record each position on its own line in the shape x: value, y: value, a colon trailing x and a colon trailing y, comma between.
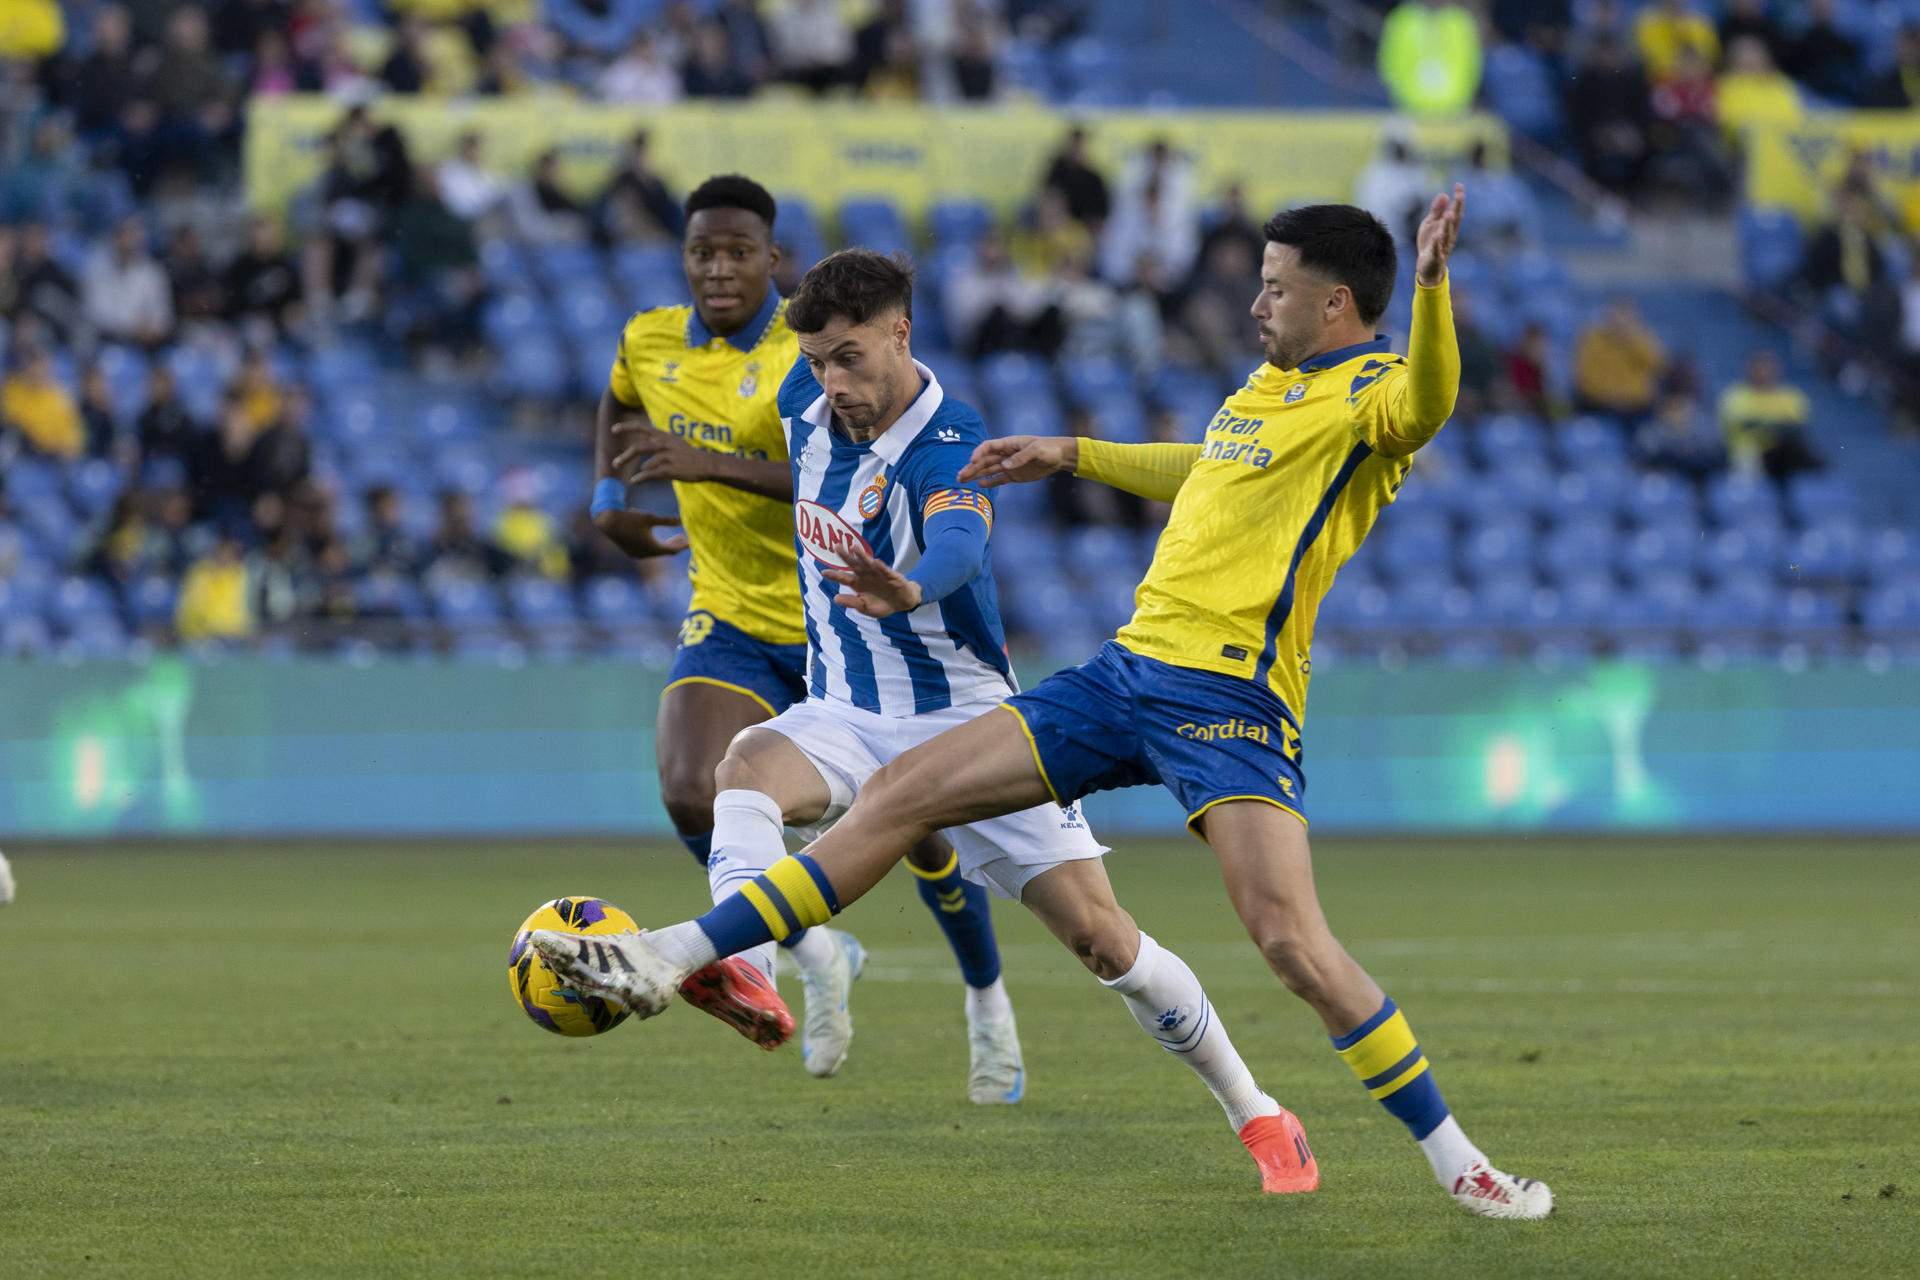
x: 736, y: 992
x: 1279, y: 1146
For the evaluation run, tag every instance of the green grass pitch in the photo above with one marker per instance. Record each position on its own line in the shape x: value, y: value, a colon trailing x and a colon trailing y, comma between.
x: 304, y: 1061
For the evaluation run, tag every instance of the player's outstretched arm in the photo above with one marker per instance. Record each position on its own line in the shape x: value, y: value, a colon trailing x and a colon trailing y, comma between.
x: 1154, y: 471
x: 1410, y: 409
x: 650, y: 454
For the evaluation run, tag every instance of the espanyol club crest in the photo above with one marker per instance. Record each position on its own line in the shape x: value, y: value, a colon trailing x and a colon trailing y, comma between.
x: 750, y: 383
x: 1295, y: 393
x: 824, y: 534
x: 873, y: 497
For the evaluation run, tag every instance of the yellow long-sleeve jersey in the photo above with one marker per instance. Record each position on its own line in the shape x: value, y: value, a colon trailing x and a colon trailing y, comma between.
x: 1295, y: 468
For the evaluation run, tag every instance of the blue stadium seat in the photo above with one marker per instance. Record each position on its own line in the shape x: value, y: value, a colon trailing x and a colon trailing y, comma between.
x: 23, y: 636
x: 95, y: 637
x: 1826, y: 552
x: 1665, y: 598
x: 1507, y: 438
x: 1521, y: 90
x: 959, y: 222
x: 487, y: 648
x: 568, y: 266
x: 588, y: 313
x: 1741, y: 603
x: 465, y: 602
x: 536, y: 368
x: 612, y: 601
x: 1504, y: 599
x: 1658, y: 500
x: 151, y: 600
x: 29, y: 478
x: 1651, y: 550
x: 1581, y: 544
x: 1095, y: 379
x: 1813, y: 499
x: 1771, y: 246
x: 389, y: 595
x: 1589, y: 598
x: 201, y: 374
x: 1598, y: 489
x: 1012, y: 380
x: 1498, y: 548
x: 1089, y: 71
x: 1894, y: 608
x: 1414, y: 545
x: 1803, y: 612
x: 875, y: 223
x: 510, y: 317
x: 797, y: 228
x: 505, y: 264
x: 1588, y: 441
x: 51, y: 526
x: 1742, y: 499
x: 1749, y: 549
x: 126, y: 373
x: 1890, y: 553
x: 75, y: 599
x: 93, y: 486
x: 540, y: 602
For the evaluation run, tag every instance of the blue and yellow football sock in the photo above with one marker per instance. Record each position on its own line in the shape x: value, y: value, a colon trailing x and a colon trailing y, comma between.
x: 1384, y: 1055
x: 700, y: 846
x: 966, y: 918
x: 791, y: 895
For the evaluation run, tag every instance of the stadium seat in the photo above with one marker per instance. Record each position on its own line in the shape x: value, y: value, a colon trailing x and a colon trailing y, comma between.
x: 1096, y: 379
x: 1803, y: 612
x: 612, y: 601
x: 1892, y: 609
x: 1497, y: 548
x: 1771, y: 246
x: 1825, y: 552
x: 1891, y: 552
x: 1503, y: 599
x: 1749, y: 549
x: 93, y: 485
x: 1589, y: 598
x: 540, y: 602
x: 23, y: 636
x: 464, y: 602
x: 959, y: 222
x: 797, y: 228
x: 1655, y: 549
x: 1816, y: 498
x: 151, y: 601
x: 1521, y: 90
x: 94, y: 638
x: 1742, y: 499
x: 1658, y: 500
x: 875, y: 223
x: 1412, y: 546
x: 387, y: 595
x: 1580, y: 544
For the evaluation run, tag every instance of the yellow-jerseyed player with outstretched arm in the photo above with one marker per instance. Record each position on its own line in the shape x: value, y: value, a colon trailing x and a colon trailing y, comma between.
x: 690, y: 398
x: 1204, y: 691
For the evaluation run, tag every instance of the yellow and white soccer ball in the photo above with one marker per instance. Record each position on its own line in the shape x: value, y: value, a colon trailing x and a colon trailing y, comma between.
x: 545, y: 998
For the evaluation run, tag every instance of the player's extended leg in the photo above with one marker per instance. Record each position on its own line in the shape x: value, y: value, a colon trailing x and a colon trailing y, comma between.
x: 696, y: 722
x: 980, y: 769
x: 1075, y: 901
x: 1268, y: 869
x: 765, y: 783
x: 996, y: 1070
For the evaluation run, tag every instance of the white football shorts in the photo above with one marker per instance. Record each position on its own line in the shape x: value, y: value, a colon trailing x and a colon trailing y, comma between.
x: 848, y: 745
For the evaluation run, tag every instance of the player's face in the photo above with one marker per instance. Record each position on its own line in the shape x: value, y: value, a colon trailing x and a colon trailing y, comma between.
x: 729, y: 257
x: 866, y: 369
x: 1294, y: 308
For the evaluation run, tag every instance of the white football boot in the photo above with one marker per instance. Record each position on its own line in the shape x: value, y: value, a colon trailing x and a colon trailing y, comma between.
x: 996, y: 1076
x: 1484, y: 1190
x: 622, y: 968
x: 827, y: 1032
x: 6, y: 881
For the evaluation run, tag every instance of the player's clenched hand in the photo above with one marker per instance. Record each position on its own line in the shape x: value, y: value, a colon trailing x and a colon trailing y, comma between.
x: 878, y: 590
x: 1013, y: 459
x: 633, y: 532
x: 659, y: 455
x: 1439, y: 232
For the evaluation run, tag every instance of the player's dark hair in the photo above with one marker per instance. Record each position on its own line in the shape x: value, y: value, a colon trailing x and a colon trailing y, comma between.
x: 733, y: 191
x: 1346, y: 244
x: 853, y: 284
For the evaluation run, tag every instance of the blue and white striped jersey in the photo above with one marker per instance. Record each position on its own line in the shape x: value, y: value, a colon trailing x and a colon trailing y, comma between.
x: 948, y: 653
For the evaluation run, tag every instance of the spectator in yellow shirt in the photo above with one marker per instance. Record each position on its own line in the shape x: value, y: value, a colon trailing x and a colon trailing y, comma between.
x: 31, y: 30
x: 1617, y: 364
x: 1664, y: 29
x: 33, y: 402
x: 216, y: 602
x: 1765, y: 422
x: 1754, y: 91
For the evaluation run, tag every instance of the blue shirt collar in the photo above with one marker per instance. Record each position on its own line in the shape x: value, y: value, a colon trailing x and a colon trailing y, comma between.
x: 698, y: 335
x: 1340, y: 355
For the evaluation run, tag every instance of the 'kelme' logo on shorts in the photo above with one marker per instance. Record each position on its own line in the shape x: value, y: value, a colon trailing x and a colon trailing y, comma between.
x: 1221, y: 732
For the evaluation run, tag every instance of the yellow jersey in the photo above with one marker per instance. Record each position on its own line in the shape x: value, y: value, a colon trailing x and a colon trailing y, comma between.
x: 1295, y: 468
x: 718, y: 393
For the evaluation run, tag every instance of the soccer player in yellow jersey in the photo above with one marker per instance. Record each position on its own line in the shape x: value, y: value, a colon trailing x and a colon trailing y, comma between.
x: 691, y: 399
x: 1204, y: 691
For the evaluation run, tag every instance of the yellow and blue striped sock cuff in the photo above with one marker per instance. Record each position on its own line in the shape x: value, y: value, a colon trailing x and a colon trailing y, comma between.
x: 1382, y: 1052
x: 950, y: 867
x: 790, y: 896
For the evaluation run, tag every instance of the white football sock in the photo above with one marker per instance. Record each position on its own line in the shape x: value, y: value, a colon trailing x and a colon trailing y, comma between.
x: 1170, y: 1005
x: 990, y: 1003
x: 685, y: 943
x: 747, y: 840
x: 812, y: 952
x: 1450, y: 1152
